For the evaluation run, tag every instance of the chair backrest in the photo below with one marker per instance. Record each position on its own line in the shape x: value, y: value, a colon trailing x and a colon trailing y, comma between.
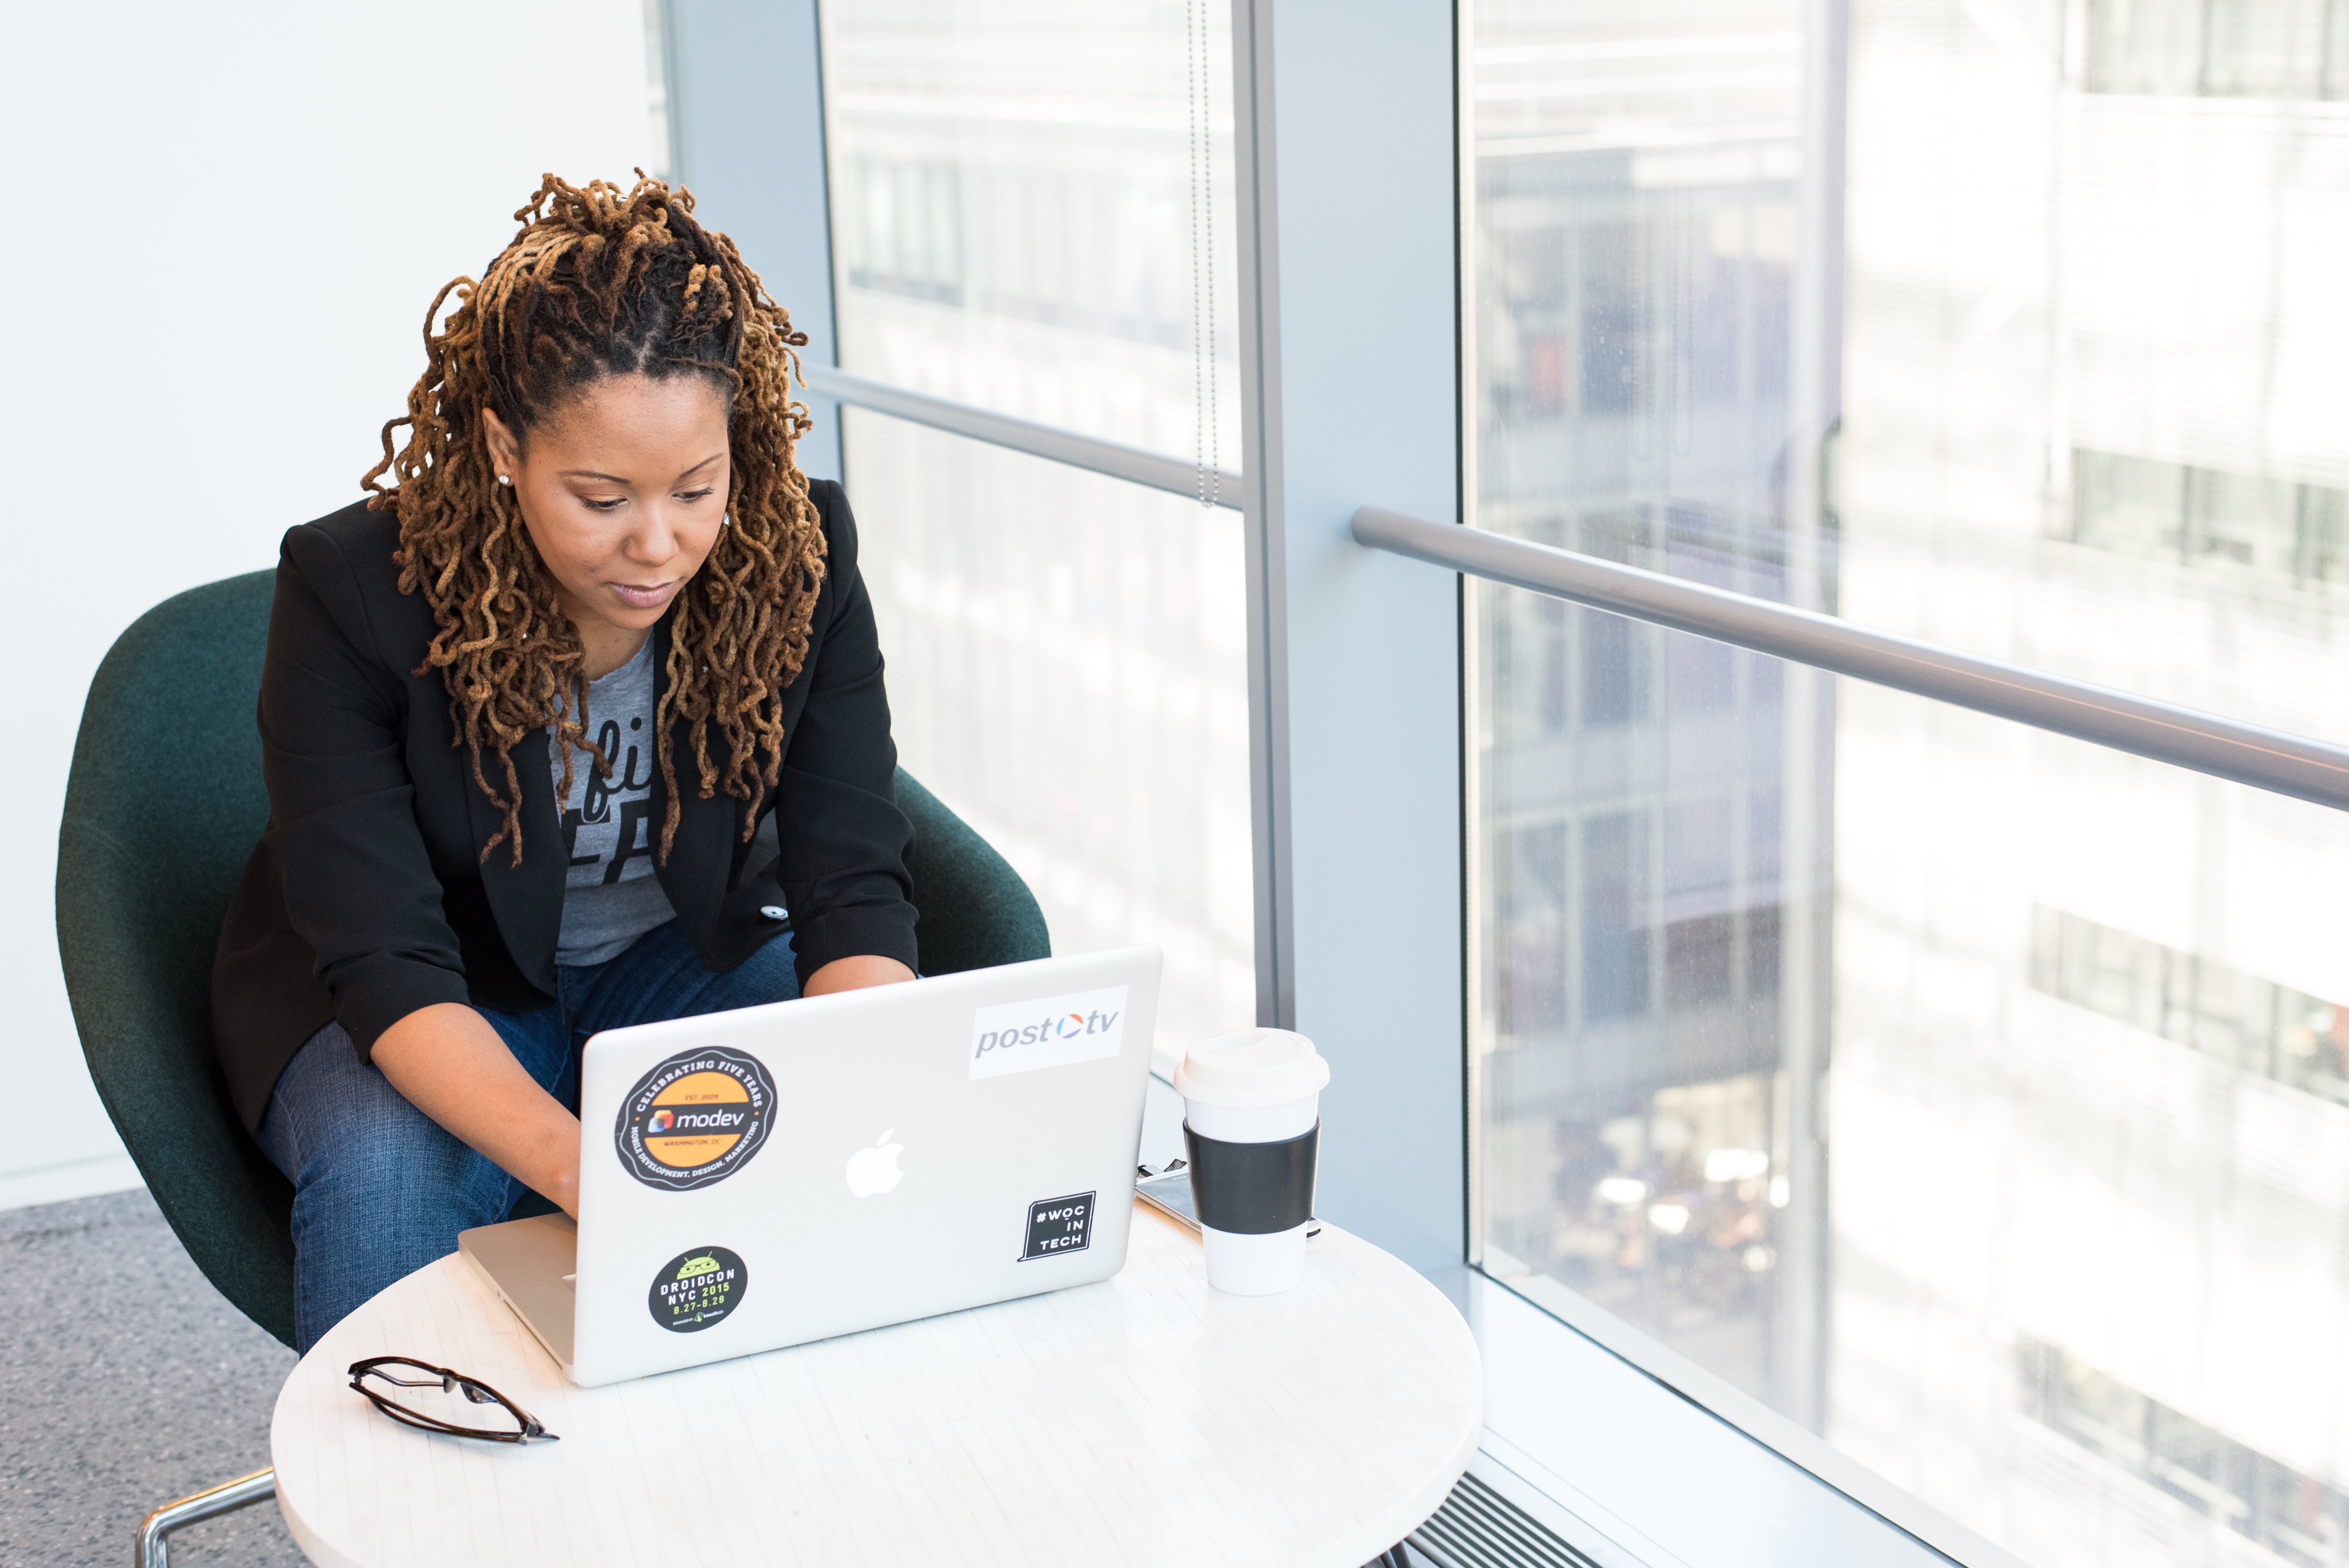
x: 163, y: 805
x: 977, y: 913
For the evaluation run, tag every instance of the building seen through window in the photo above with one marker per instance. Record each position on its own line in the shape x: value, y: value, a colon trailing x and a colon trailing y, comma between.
x: 2208, y: 517
x: 2256, y: 1024
x: 2219, y: 49
x: 1016, y: 203
x: 1839, y: 1041
x: 2298, y: 1518
x: 902, y: 228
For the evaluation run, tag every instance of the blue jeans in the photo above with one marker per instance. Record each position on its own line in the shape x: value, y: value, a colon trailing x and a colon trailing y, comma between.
x: 380, y: 1189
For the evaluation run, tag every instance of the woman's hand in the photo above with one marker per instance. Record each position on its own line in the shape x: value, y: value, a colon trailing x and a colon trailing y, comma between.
x: 855, y: 974
x: 455, y: 1068
x: 452, y: 1066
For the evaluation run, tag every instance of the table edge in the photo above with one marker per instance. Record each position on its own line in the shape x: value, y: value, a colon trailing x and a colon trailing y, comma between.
x: 1351, y: 1550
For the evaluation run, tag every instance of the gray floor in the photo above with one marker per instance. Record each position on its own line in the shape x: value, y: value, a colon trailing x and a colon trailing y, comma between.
x: 126, y: 1380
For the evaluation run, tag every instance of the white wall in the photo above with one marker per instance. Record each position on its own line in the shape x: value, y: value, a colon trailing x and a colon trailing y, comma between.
x: 224, y: 224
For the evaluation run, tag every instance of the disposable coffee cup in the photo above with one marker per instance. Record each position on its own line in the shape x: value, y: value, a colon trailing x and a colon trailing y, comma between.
x: 1252, y: 1128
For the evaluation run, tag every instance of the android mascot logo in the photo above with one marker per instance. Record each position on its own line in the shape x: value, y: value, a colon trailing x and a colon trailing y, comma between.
x: 699, y: 1290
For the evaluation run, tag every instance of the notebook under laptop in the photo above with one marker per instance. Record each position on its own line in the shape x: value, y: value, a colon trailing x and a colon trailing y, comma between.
x: 766, y: 1177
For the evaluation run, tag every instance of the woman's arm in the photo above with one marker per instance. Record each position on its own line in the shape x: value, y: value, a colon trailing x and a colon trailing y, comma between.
x: 841, y: 869
x: 358, y: 884
x: 855, y: 974
x: 455, y: 1068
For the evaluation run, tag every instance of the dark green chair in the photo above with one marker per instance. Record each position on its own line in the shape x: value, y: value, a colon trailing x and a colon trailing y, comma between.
x: 164, y: 803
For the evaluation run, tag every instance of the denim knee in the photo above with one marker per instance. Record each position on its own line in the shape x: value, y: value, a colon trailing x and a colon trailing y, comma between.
x: 380, y: 1189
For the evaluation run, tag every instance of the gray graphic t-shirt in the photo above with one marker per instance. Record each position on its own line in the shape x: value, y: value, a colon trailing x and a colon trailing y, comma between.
x: 611, y: 896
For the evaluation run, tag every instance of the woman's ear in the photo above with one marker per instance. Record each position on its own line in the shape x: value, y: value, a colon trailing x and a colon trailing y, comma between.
x: 505, y: 451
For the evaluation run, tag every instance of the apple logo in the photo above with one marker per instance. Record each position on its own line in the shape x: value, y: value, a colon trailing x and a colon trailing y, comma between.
x: 874, y: 1169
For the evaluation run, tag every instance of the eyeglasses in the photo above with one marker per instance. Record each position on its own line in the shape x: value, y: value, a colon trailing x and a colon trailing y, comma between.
x: 364, y: 1373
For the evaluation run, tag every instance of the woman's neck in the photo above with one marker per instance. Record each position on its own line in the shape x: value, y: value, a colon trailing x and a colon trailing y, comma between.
x: 608, y: 646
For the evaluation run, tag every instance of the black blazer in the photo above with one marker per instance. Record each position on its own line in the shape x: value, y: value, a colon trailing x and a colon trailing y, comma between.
x: 366, y: 897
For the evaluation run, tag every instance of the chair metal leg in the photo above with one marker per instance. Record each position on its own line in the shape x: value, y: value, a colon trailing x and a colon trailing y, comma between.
x: 155, y: 1531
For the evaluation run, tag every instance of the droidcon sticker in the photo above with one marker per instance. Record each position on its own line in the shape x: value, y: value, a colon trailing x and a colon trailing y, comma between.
x: 698, y: 1290
x: 696, y: 1118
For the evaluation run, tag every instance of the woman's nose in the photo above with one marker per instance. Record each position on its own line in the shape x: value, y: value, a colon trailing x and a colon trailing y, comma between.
x: 656, y: 540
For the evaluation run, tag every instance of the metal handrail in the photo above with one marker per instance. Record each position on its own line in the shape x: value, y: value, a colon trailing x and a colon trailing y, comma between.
x: 2223, y: 748
x: 1128, y: 463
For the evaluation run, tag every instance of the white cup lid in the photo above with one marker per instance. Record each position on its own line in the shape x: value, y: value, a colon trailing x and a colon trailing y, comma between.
x: 1247, y: 1067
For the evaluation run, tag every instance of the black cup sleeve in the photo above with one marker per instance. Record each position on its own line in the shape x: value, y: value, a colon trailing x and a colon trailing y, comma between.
x: 1252, y: 1189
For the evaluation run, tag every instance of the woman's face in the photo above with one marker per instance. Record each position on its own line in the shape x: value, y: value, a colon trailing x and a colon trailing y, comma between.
x: 623, y: 491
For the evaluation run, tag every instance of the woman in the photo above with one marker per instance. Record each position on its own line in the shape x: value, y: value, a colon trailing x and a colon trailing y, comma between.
x: 579, y: 724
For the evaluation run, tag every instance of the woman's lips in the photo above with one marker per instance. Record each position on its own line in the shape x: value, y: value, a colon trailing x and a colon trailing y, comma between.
x: 651, y: 598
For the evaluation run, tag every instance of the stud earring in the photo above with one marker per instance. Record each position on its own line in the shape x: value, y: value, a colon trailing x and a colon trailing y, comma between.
x: 505, y: 478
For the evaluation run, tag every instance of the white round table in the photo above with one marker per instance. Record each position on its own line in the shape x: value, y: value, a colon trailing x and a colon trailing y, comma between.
x: 1145, y: 1419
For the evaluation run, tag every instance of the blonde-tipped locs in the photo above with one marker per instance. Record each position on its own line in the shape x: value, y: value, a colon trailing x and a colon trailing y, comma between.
x: 601, y: 281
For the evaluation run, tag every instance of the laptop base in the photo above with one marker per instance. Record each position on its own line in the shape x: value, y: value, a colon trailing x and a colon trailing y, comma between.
x: 533, y: 1263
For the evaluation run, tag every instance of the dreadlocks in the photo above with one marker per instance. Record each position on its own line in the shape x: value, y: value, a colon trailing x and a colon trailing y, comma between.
x: 603, y: 283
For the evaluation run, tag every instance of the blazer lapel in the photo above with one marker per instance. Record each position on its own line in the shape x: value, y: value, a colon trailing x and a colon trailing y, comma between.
x: 527, y: 900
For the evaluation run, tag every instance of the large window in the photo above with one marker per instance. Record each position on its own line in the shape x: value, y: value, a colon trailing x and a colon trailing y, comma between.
x: 1066, y: 667
x: 1970, y: 1096
x: 1031, y: 215
x: 1031, y: 211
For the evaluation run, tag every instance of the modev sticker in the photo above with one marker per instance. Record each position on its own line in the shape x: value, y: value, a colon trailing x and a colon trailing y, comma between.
x: 697, y: 1290
x: 696, y: 1118
x: 1049, y: 1032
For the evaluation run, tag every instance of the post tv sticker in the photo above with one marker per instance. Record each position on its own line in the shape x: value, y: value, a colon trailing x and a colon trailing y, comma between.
x: 1057, y: 1226
x: 1049, y: 1032
x: 694, y: 1119
x: 699, y: 1290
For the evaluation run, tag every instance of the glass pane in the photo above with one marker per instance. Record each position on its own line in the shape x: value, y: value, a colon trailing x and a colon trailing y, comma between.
x: 2146, y: 46
x: 2265, y: 48
x: 2016, y: 328
x: 2336, y: 48
x: 1031, y: 211
x: 1976, y: 1098
x: 1068, y: 668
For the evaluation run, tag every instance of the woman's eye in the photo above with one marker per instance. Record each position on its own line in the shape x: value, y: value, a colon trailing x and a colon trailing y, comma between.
x: 702, y: 494
x: 600, y: 504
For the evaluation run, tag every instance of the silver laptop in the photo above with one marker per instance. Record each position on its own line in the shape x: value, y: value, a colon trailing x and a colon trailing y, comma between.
x: 770, y: 1176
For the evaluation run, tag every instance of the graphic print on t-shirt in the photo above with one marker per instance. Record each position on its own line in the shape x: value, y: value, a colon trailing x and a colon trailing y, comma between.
x: 607, y: 828
x: 610, y: 895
